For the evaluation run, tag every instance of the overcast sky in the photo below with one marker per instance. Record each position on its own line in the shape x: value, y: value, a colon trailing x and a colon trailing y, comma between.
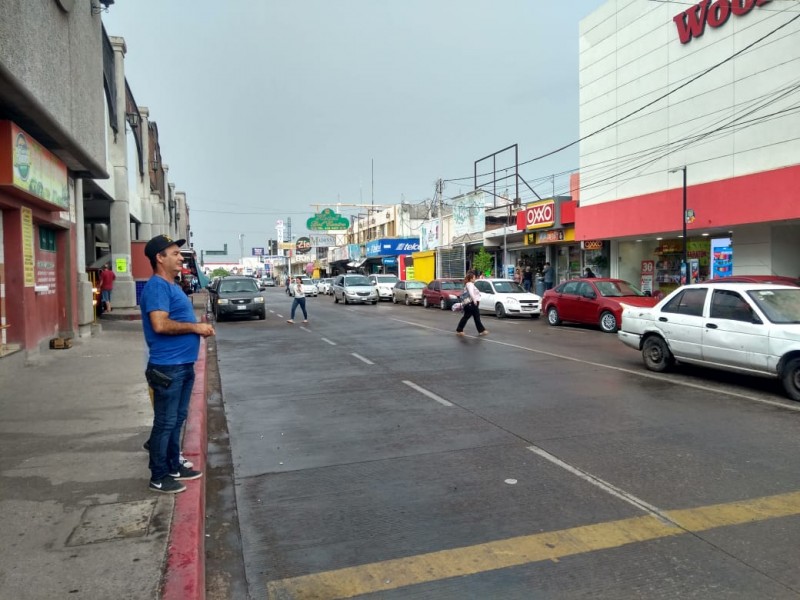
x: 272, y: 110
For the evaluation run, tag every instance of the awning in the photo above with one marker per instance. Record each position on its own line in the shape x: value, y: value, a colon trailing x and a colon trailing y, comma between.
x: 356, y: 263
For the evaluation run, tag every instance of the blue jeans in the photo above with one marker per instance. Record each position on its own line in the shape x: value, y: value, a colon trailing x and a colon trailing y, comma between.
x: 170, y: 407
x: 301, y: 302
x: 526, y: 285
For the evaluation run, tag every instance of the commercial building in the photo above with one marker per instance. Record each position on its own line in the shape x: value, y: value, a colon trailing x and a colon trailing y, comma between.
x: 695, y: 104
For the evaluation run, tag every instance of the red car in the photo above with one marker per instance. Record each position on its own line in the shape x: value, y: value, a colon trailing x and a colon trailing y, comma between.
x: 593, y: 301
x: 442, y: 293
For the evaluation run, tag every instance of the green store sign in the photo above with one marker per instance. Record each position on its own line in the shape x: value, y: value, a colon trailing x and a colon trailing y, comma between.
x: 327, y: 220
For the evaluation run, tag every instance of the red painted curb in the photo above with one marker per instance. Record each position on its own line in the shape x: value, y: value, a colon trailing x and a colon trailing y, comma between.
x: 185, y: 572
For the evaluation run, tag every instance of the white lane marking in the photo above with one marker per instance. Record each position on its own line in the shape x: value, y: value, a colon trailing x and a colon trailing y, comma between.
x: 327, y: 341
x: 785, y: 405
x: 362, y: 359
x: 603, y: 485
x: 427, y: 393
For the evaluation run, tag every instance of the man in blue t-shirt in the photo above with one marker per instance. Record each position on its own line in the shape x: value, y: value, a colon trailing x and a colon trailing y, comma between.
x: 173, y: 335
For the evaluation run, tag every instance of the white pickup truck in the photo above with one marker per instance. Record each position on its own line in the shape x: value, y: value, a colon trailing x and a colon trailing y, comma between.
x: 744, y: 327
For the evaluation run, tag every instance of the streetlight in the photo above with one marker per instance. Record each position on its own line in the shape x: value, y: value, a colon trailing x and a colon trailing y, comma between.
x: 685, y: 267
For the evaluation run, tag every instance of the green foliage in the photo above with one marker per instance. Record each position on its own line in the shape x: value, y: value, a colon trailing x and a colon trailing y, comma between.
x: 482, y: 262
x: 219, y: 272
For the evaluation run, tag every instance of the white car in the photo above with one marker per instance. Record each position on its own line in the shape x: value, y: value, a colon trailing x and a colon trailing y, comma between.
x: 745, y: 327
x: 309, y: 287
x: 507, y: 298
x: 325, y: 286
x: 384, y: 284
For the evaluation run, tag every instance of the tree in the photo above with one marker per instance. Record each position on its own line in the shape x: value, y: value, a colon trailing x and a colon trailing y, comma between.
x: 482, y: 262
x: 219, y: 272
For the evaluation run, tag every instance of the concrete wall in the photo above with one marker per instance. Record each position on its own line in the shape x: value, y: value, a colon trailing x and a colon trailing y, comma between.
x: 631, y: 55
x: 69, y: 84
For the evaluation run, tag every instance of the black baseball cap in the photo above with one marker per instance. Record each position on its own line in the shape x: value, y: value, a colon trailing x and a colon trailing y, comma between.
x: 159, y: 244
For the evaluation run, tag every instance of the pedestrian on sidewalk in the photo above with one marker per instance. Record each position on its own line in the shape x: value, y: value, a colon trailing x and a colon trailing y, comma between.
x: 548, y: 276
x: 527, y: 279
x: 299, y: 294
x: 107, y: 278
x: 173, y: 336
x: 470, y: 305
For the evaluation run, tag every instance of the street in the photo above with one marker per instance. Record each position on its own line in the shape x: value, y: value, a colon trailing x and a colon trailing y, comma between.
x: 376, y: 453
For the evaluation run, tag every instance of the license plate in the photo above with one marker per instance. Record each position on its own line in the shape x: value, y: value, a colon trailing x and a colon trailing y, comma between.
x: 242, y: 307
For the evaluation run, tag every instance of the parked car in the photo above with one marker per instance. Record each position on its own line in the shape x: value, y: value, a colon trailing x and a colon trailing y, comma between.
x: 507, y: 298
x: 384, y: 285
x: 236, y: 296
x: 354, y: 288
x: 408, y: 292
x: 593, y: 301
x: 309, y: 287
x: 442, y: 293
x: 745, y: 327
x: 325, y: 286
x: 777, y: 279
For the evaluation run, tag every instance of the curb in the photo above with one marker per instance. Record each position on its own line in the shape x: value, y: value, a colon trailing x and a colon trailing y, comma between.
x: 185, y: 573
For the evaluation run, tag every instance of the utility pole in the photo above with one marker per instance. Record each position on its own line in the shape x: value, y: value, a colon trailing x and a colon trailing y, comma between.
x: 440, y: 197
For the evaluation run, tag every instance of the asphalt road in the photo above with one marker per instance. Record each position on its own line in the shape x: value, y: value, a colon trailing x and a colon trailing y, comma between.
x: 375, y: 454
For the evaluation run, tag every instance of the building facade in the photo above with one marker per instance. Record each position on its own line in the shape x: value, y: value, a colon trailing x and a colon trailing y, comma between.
x: 694, y: 105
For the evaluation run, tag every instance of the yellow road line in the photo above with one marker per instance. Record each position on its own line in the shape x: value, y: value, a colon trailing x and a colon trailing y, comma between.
x: 500, y: 554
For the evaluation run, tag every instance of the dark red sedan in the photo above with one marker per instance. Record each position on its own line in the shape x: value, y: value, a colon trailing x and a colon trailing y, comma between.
x: 442, y: 293
x: 593, y: 301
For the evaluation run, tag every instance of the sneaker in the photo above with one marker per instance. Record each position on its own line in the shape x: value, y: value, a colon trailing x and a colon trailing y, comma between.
x: 166, y: 485
x: 184, y: 473
x: 290, y: 321
x: 304, y: 321
x: 484, y: 332
x: 461, y: 333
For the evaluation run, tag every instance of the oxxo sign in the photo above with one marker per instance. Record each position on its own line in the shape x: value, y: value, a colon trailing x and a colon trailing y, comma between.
x: 691, y: 23
x: 537, y: 215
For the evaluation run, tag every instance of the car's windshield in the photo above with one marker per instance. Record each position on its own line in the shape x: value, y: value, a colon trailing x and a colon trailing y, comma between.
x: 617, y: 288
x: 241, y: 285
x: 780, y: 306
x: 508, y: 287
x: 415, y: 285
x: 386, y: 278
x: 452, y: 285
x: 356, y: 280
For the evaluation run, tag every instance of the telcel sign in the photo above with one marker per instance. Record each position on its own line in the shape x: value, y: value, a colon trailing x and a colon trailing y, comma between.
x: 537, y: 215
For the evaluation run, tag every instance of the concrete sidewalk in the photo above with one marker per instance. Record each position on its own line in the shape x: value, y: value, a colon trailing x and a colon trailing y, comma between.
x: 76, y: 517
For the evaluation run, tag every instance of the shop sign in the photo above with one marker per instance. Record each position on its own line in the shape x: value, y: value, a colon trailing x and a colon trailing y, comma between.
x: 539, y: 215
x: 692, y: 22
x: 327, y: 220
x: 592, y: 244
x: 29, y: 277
x: 302, y: 245
x: 257, y: 251
x: 323, y: 241
x: 647, y: 275
x: 32, y: 169
x: 555, y: 235
x: 392, y: 247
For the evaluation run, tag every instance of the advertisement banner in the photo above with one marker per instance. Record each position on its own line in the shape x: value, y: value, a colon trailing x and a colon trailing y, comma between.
x: 647, y: 274
x: 429, y: 235
x: 469, y: 214
x: 35, y: 170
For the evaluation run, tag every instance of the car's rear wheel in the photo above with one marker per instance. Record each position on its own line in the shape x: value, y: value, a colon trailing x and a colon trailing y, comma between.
x: 335, y: 299
x: 394, y: 299
x: 499, y: 310
x: 656, y: 354
x: 443, y: 304
x: 790, y: 378
x: 408, y: 302
x: 608, y: 322
x: 553, y: 317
